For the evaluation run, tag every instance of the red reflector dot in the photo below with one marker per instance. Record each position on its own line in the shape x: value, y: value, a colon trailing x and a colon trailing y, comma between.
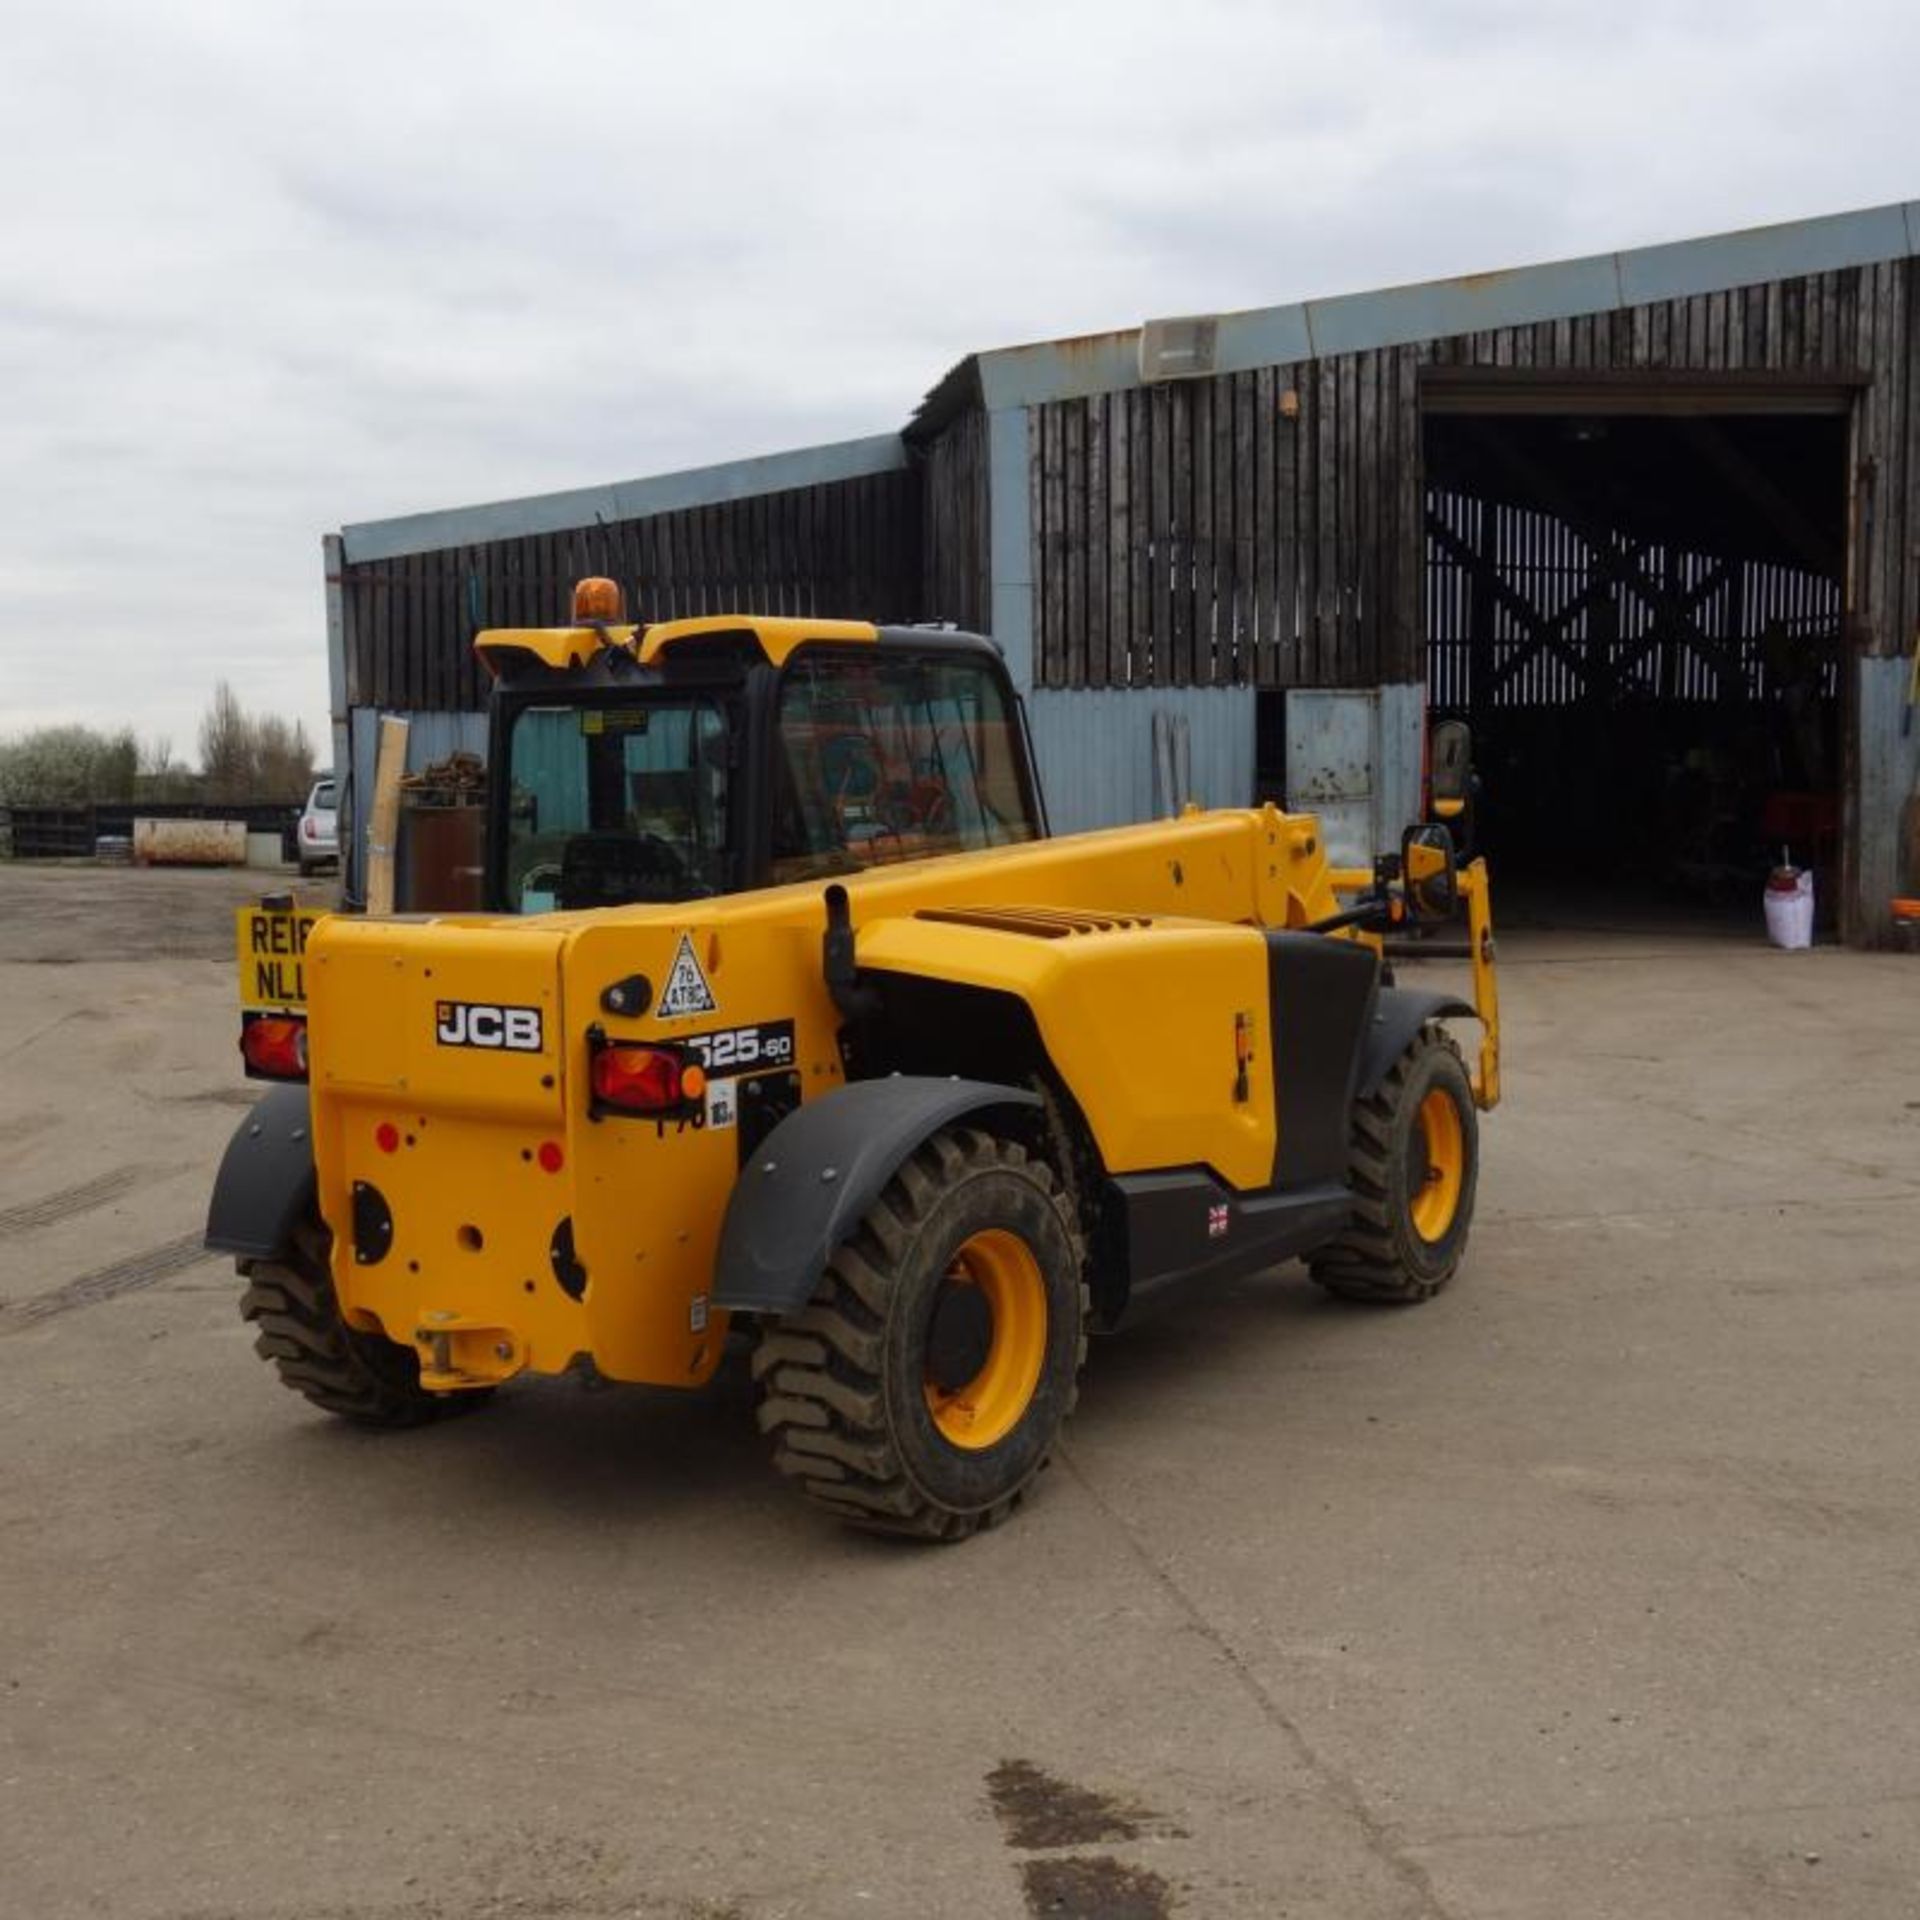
x: 386, y: 1136
x: 551, y: 1158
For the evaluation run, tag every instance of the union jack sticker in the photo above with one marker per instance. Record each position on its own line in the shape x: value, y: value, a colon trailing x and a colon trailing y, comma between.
x: 1217, y: 1217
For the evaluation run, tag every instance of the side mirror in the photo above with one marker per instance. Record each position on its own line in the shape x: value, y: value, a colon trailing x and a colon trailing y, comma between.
x: 1430, y: 869
x: 1451, y: 755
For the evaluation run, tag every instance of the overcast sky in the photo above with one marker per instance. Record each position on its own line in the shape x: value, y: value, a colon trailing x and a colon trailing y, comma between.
x: 266, y: 268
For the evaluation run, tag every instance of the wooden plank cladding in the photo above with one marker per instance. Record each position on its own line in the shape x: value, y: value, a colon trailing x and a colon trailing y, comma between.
x: 1264, y: 527
x: 850, y: 548
x: 1228, y: 532
x: 956, y: 555
x: 1524, y: 611
x: 1268, y: 527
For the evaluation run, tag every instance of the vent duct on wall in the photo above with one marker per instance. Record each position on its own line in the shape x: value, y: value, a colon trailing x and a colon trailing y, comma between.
x: 1177, y: 349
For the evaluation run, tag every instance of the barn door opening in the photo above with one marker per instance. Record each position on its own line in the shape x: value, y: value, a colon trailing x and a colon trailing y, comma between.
x: 1635, y: 599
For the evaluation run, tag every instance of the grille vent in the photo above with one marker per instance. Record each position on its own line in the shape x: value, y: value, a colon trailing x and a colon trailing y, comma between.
x: 1038, y: 923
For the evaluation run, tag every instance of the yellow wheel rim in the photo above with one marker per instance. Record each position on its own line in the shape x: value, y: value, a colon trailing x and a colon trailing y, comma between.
x: 1439, y: 1165
x: 988, y: 1407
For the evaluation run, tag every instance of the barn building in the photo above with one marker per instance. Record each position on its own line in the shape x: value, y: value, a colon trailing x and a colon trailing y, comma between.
x: 1647, y: 520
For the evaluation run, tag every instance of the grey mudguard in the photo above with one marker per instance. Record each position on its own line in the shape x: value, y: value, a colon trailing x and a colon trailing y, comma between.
x: 1399, y: 1014
x: 819, y: 1170
x: 266, y: 1179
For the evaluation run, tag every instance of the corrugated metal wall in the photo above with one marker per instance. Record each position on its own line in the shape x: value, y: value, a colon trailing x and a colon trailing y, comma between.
x: 1096, y: 755
x: 1096, y: 751
x: 1889, y: 774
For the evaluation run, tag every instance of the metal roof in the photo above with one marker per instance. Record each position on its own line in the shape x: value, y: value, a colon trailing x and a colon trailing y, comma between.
x: 1436, y: 309
x: 1258, y: 337
x: 622, y: 499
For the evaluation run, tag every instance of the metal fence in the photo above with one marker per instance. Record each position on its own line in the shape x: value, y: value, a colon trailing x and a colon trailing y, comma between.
x: 71, y: 833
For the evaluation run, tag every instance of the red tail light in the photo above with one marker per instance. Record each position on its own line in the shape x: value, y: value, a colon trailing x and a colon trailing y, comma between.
x: 645, y: 1079
x: 274, y: 1046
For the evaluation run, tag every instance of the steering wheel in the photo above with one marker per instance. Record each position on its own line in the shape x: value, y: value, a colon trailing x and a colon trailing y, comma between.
x: 613, y: 869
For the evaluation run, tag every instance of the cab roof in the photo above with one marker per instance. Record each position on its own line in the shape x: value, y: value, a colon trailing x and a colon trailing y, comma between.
x: 776, y: 636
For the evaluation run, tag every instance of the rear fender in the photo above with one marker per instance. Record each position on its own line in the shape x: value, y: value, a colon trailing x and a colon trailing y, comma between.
x: 266, y: 1181
x: 814, y: 1176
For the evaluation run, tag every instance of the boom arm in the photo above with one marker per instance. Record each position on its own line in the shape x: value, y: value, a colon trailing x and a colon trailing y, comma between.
x: 1486, y: 986
x: 1473, y: 890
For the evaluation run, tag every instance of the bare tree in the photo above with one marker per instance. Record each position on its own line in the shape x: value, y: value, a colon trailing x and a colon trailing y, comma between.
x: 283, y: 759
x: 248, y: 758
x: 161, y: 776
x: 226, y: 747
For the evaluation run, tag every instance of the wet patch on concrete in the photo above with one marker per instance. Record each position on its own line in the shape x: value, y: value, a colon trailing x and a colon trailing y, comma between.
x: 1039, y: 1812
x: 1044, y: 1815
x: 1094, y: 1887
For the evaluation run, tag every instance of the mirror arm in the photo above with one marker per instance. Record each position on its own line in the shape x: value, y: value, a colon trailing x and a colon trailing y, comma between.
x: 1374, y: 913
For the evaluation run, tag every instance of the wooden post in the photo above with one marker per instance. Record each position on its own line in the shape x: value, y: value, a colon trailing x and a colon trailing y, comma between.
x: 383, y: 832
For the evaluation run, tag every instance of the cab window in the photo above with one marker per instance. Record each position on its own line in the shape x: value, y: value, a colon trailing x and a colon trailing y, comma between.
x: 616, y: 803
x: 883, y: 756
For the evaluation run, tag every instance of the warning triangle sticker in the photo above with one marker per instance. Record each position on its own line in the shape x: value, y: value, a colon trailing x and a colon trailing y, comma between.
x: 686, y: 990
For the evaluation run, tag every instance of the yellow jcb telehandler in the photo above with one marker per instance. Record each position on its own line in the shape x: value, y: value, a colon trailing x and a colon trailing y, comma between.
x: 789, y: 1018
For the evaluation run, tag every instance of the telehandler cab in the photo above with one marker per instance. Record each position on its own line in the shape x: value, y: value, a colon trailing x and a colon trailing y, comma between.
x: 789, y: 1018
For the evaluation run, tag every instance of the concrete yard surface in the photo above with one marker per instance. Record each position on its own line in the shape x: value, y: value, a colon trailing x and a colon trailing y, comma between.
x: 1589, y: 1589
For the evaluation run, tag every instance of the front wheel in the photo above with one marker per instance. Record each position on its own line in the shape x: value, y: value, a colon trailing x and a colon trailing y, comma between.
x: 1413, y: 1165
x: 923, y: 1387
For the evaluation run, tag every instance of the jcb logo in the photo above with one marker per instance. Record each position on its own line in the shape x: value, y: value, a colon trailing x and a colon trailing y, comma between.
x: 470, y: 1023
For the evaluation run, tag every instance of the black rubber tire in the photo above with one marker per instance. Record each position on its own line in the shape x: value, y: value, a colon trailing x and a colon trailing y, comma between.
x: 356, y: 1376
x: 841, y: 1382
x: 1381, y: 1257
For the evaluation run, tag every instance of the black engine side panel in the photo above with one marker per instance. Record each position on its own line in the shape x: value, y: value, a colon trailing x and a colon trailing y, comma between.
x: 1320, y: 999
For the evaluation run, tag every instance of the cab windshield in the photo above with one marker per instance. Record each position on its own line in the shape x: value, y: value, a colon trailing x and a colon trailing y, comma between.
x: 616, y: 803
x: 883, y: 756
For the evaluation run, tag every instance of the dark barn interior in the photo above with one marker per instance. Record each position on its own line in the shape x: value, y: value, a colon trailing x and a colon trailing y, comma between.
x: 1639, y: 613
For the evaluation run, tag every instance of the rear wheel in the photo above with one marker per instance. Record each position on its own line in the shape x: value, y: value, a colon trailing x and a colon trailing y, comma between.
x: 371, y: 1381
x: 1413, y: 1165
x: 923, y: 1387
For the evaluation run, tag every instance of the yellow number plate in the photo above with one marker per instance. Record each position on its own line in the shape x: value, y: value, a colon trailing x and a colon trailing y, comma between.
x: 272, y: 945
